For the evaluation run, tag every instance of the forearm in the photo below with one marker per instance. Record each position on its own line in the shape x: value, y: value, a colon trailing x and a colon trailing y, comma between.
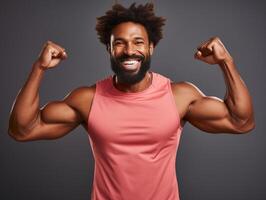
x: 237, y: 98
x: 25, y: 109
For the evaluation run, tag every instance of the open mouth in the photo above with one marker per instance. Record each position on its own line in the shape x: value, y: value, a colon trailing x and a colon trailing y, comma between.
x: 131, y: 64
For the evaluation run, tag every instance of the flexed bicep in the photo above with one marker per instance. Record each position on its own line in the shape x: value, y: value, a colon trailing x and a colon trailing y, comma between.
x: 54, y: 120
x: 210, y: 114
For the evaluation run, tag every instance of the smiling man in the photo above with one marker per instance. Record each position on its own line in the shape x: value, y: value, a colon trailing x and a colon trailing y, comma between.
x: 134, y: 118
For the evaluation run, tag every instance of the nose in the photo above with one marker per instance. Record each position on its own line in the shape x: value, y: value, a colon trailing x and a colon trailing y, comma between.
x: 129, y: 49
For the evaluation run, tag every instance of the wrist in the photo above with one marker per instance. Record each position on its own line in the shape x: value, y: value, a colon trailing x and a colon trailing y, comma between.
x: 228, y: 60
x: 39, y: 66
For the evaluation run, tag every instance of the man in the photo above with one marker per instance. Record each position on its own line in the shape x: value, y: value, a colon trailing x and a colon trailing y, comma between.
x: 135, y: 117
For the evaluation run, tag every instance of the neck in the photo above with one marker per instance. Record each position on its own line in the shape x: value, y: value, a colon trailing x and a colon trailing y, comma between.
x: 137, y: 87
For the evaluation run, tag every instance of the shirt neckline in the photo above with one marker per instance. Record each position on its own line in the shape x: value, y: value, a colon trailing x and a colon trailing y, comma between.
x: 120, y: 92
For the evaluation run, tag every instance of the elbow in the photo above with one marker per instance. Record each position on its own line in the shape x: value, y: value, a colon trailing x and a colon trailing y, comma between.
x: 16, y: 135
x: 16, y: 131
x: 250, y: 128
x: 247, y: 127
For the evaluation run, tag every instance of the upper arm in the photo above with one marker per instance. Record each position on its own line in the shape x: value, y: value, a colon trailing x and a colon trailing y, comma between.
x: 55, y: 119
x: 210, y: 113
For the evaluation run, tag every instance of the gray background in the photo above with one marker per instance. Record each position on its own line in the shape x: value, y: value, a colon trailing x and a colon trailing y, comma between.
x: 209, y: 166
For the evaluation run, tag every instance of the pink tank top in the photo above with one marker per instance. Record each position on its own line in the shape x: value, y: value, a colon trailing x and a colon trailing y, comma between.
x: 134, y: 139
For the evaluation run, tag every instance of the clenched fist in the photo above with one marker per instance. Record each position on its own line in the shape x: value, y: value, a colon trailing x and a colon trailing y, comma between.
x: 213, y: 52
x: 51, y: 55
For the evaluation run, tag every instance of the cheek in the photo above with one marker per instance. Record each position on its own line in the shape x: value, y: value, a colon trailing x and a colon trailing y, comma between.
x: 116, y: 52
x: 143, y: 50
x: 144, y: 53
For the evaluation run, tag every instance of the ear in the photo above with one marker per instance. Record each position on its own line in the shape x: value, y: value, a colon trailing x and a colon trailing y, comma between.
x: 108, y: 48
x: 151, y: 47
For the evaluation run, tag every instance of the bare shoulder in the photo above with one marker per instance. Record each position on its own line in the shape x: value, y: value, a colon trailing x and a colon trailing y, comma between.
x: 81, y: 99
x: 187, y: 89
x: 80, y: 94
x: 185, y: 93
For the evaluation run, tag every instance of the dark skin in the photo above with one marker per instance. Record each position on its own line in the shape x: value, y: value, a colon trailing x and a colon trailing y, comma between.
x: 234, y: 114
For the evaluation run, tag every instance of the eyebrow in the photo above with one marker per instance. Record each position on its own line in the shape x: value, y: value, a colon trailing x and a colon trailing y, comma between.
x: 136, y: 38
x: 139, y: 38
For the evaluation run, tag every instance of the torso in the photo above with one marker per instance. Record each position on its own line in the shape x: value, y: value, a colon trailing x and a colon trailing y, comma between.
x: 84, y: 106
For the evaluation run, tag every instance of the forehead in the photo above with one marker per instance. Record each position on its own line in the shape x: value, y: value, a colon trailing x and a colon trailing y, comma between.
x: 129, y: 30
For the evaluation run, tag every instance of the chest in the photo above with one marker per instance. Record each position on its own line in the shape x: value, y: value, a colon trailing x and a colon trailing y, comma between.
x: 120, y: 121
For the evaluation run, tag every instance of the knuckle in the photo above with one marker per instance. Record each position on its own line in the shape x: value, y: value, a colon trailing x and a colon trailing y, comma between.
x: 49, y: 42
x: 52, y: 50
x: 216, y: 38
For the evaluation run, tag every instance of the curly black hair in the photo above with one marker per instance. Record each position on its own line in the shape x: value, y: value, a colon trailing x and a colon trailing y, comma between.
x: 142, y: 14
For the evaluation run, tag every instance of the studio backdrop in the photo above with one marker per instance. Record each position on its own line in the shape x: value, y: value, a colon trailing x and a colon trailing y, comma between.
x: 209, y: 166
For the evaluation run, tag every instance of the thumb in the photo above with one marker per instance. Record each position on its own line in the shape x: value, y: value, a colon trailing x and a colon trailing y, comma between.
x: 208, y: 59
x: 198, y: 55
x: 45, y: 57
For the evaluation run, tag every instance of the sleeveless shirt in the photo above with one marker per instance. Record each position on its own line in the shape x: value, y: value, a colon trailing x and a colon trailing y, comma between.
x: 134, y: 138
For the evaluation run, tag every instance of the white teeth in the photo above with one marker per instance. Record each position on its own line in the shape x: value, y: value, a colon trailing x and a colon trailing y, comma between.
x: 130, y: 62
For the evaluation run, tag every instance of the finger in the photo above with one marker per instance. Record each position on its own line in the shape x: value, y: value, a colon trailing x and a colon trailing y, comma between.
x: 198, y: 55
x: 59, y: 54
x: 208, y: 59
x: 45, y: 57
x: 54, y: 52
x: 56, y: 46
x: 206, y: 50
x: 63, y: 55
x: 55, y: 61
x: 202, y: 45
x: 209, y: 48
x: 59, y: 48
x: 201, y: 54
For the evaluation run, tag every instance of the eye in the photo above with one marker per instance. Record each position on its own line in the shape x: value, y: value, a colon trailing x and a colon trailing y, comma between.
x: 118, y: 43
x: 139, y: 42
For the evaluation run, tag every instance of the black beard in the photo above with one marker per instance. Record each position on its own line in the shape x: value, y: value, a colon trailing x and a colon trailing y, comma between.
x: 127, y: 77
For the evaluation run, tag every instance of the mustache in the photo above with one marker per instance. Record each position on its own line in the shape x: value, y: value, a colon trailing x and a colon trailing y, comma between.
x: 125, y: 57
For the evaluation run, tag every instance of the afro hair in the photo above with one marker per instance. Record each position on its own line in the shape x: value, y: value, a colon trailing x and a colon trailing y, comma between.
x: 142, y: 14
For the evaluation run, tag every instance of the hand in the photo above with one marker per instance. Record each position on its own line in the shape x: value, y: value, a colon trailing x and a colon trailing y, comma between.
x: 213, y: 52
x: 51, y: 55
